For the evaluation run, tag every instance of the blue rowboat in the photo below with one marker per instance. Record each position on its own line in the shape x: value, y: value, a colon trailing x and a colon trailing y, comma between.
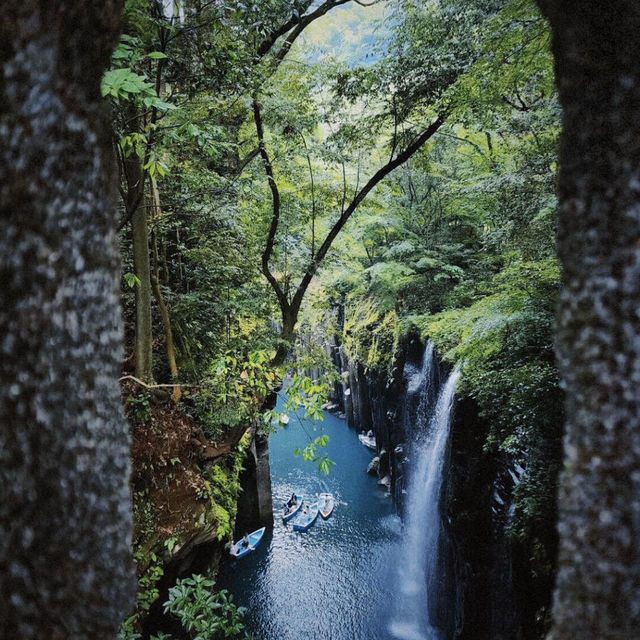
x: 287, y: 513
x: 325, y: 504
x: 239, y: 549
x: 305, y: 520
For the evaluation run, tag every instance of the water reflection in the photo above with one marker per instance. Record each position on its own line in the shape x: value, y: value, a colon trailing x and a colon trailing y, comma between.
x: 334, y: 582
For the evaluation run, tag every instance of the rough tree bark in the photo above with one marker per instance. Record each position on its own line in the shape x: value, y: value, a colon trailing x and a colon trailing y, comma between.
x: 65, y: 566
x: 597, y: 54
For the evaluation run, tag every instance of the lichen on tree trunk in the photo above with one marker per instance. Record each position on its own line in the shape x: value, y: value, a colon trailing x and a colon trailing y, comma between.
x: 65, y: 565
x: 597, y: 54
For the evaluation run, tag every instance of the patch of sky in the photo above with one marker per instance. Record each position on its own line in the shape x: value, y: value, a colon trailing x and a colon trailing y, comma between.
x: 353, y: 34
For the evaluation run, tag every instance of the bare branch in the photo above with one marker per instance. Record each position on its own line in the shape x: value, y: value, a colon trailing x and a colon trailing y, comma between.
x: 400, y: 159
x: 313, y: 197
x: 358, y: 173
x: 344, y: 187
x: 395, y: 130
x: 131, y: 204
x: 247, y: 160
x: 477, y: 147
x: 298, y: 26
x: 275, y: 215
x: 294, y: 22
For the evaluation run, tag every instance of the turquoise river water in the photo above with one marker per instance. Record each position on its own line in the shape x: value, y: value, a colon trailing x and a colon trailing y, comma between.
x: 336, y: 581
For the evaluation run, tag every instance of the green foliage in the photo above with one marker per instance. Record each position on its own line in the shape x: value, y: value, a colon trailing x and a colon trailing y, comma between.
x: 383, y: 343
x: 518, y: 312
x: 170, y: 544
x: 146, y: 595
x: 144, y: 517
x: 307, y: 394
x: 435, y: 44
x: 125, y: 84
x: 127, y: 632
x: 204, y: 614
x: 223, y: 489
x: 139, y: 409
x: 310, y: 454
x: 224, y: 523
x: 147, y: 587
x: 233, y: 391
x: 132, y: 280
x: 128, y: 81
x: 370, y: 334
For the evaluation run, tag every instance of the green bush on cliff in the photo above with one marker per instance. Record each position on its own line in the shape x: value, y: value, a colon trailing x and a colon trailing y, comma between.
x: 504, y: 343
x: 233, y: 391
x: 203, y: 613
x: 370, y: 334
x: 512, y: 310
x: 222, y: 488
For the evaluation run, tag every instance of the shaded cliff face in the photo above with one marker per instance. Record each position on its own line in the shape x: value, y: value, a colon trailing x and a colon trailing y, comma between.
x: 186, y: 491
x: 477, y: 502
x: 500, y: 579
x: 503, y: 576
x: 373, y: 400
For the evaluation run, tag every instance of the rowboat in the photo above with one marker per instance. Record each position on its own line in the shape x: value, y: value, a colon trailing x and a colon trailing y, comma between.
x: 305, y: 520
x: 326, y: 502
x: 367, y: 440
x: 287, y: 513
x: 239, y: 549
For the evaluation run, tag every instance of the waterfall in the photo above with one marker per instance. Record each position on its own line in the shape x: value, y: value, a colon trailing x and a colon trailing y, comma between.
x: 413, y: 617
x: 422, y: 383
x: 417, y: 378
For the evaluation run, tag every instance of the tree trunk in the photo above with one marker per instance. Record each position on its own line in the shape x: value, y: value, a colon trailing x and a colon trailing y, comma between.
x: 597, y: 53
x: 157, y: 292
x: 65, y: 525
x: 136, y: 206
x: 171, y: 349
x: 142, y: 268
x: 287, y: 335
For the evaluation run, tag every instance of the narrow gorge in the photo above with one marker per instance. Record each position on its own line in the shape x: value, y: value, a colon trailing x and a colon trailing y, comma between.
x: 470, y: 578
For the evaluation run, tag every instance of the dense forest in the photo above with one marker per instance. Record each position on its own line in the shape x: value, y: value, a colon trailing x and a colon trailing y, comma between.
x: 306, y: 194
x: 248, y: 160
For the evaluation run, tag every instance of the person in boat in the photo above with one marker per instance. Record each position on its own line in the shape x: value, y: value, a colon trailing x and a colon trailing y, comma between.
x: 305, y: 511
x: 245, y: 541
x: 369, y: 434
x: 293, y: 500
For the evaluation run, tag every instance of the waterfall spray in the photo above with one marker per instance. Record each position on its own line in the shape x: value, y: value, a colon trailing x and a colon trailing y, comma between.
x: 417, y: 569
